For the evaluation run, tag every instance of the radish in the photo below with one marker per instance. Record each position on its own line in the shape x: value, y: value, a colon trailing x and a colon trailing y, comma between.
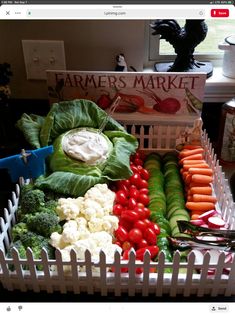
x: 207, y: 215
x: 197, y: 222
x: 207, y: 238
x: 215, y: 222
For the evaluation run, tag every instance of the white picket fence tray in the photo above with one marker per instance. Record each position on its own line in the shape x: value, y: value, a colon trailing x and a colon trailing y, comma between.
x: 185, y: 279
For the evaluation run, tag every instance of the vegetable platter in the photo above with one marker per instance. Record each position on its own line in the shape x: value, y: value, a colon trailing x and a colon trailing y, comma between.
x: 146, y: 272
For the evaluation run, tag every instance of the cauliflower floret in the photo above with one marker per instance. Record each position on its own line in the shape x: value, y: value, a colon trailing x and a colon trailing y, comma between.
x: 107, y: 223
x: 70, y: 232
x: 92, y: 209
x: 81, y: 246
x: 69, y: 208
x: 56, y: 240
x: 102, y: 238
x: 81, y: 221
x: 110, y: 223
x: 95, y: 224
x: 102, y: 195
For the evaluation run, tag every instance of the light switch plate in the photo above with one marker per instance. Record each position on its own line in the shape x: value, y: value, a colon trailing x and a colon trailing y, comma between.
x: 42, y: 55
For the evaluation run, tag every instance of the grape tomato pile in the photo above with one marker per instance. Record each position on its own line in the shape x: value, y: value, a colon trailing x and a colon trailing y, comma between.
x: 135, y: 229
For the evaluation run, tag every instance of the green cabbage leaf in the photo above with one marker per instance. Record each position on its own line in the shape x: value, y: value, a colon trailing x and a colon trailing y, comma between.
x: 69, y: 176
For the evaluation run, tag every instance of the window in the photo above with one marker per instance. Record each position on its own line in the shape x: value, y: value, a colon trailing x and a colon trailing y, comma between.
x: 207, y: 50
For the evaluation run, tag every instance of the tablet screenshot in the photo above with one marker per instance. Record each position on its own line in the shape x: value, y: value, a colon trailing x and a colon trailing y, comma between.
x: 117, y: 156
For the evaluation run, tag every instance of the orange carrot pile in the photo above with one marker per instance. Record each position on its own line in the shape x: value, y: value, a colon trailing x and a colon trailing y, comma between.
x: 198, y: 177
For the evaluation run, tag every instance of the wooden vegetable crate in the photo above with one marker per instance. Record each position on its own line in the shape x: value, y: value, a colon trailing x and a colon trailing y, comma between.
x: 185, y: 279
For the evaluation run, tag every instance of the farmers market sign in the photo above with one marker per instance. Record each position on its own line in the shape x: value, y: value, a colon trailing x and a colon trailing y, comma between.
x: 148, y: 93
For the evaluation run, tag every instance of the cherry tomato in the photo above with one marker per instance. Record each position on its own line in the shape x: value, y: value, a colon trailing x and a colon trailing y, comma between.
x: 140, y: 205
x: 153, y: 250
x: 139, y: 167
x: 124, y: 223
x: 118, y: 243
x: 150, y: 236
x: 125, y: 254
x: 138, y: 162
x: 146, y: 211
x: 130, y: 215
x: 140, y: 224
x: 132, y: 203
x: 121, y: 197
x: 126, y: 182
x: 143, y: 243
x: 123, y: 187
x: 144, y: 174
x: 134, y: 168
x: 117, y: 209
x: 144, y: 199
x: 135, y: 235
x: 133, y: 192
x: 127, y: 245
x: 155, y: 228
x: 144, y: 191
x: 148, y: 223
x: 142, y: 184
x: 141, y: 212
x: 135, y: 179
x: 121, y: 234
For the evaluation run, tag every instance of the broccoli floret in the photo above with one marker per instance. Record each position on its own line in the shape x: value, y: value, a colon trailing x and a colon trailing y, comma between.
x: 31, y: 201
x: 49, y: 206
x: 37, y: 242
x: 44, y: 223
x: 19, y: 246
x: 25, y: 188
x: 18, y: 230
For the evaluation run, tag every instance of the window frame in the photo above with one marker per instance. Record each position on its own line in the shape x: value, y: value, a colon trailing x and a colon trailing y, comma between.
x: 152, y: 51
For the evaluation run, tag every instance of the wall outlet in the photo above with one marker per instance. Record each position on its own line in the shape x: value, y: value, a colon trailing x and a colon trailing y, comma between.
x: 42, y: 55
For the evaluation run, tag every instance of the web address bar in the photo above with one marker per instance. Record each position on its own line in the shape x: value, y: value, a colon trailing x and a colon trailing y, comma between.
x: 113, y: 13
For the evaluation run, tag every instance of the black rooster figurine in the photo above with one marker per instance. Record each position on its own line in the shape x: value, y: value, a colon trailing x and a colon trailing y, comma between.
x: 184, y: 40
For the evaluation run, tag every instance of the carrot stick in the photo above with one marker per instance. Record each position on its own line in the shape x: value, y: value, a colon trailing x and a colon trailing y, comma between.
x: 186, y: 167
x: 189, y: 198
x: 189, y: 152
x: 195, y: 216
x: 201, y: 178
x: 195, y: 184
x: 190, y: 162
x: 189, y: 146
x: 188, y: 178
x: 191, y: 157
x: 184, y: 175
x: 208, y: 172
x: 204, y: 198
x: 202, y: 206
x: 196, y: 212
x: 206, y: 190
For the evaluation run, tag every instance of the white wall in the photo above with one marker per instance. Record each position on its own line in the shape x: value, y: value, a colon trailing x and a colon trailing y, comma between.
x: 89, y: 45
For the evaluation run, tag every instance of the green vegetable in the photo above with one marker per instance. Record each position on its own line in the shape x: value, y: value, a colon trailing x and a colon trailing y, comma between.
x: 37, y: 243
x: 31, y: 201
x: 65, y: 174
x: 18, y: 230
x: 44, y: 223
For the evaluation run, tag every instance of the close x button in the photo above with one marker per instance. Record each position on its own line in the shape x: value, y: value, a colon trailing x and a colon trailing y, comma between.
x: 220, y: 13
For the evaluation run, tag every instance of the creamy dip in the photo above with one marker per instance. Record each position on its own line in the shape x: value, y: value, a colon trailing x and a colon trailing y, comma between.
x: 85, y: 145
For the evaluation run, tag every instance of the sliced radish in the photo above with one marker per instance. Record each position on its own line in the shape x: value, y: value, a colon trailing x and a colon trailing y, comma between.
x: 204, y: 226
x: 207, y: 238
x: 228, y: 257
x: 207, y: 215
x: 197, y: 222
x: 215, y: 222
